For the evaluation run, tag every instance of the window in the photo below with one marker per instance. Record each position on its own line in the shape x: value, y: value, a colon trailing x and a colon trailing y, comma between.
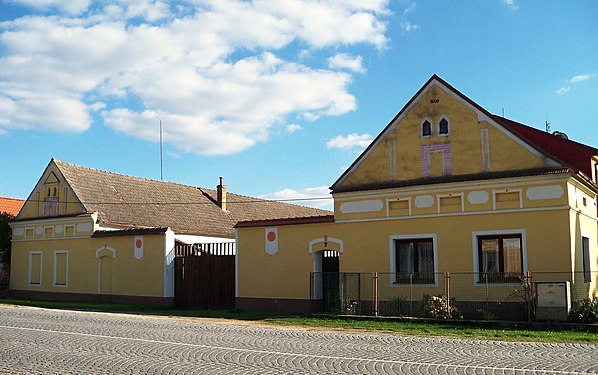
x: 443, y: 126
x: 60, y: 268
x: 500, y: 258
x: 35, y: 268
x: 414, y: 260
x: 585, y: 251
x: 426, y: 128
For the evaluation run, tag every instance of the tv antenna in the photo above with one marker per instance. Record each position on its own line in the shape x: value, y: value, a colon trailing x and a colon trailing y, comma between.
x: 161, y: 175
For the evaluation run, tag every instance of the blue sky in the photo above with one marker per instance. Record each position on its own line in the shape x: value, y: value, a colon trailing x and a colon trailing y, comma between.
x: 278, y: 97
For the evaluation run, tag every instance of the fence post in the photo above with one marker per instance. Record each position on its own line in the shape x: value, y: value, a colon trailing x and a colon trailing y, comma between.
x: 375, y: 299
x: 528, y: 281
x: 447, y: 287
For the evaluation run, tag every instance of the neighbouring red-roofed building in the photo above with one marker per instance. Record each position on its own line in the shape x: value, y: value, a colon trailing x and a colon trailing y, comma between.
x: 11, y: 205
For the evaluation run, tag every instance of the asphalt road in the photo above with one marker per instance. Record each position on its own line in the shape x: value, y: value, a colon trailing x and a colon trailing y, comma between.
x: 42, y: 341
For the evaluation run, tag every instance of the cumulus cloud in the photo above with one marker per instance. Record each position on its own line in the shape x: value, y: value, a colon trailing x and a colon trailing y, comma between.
x: 212, y: 71
x: 346, y: 61
x: 320, y: 197
x: 350, y: 141
x: 292, y: 128
x: 406, y: 24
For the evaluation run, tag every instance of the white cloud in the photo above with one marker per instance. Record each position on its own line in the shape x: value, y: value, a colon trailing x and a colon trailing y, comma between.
x: 146, y: 60
x: 563, y: 90
x: 323, y: 199
x: 511, y: 4
x: 408, y: 26
x: 346, y: 61
x: 69, y: 6
x: 573, y: 81
x: 292, y: 128
x: 580, y: 78
x: 350, y: 141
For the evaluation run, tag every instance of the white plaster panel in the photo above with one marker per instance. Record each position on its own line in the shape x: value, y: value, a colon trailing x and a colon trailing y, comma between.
x: 58, y: 229
x: 19, y: 231
x: 544, y: 192
x: 84, y: 227
x: 361, y: 206
x: 39, y: 230
x: 424, y: 201
x: 478, y: 197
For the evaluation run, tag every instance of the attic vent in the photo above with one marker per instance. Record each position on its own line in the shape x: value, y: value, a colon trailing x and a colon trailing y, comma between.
x: 560, y: 134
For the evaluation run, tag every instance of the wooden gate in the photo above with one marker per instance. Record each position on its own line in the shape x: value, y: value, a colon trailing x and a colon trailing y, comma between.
x: 205, y: 276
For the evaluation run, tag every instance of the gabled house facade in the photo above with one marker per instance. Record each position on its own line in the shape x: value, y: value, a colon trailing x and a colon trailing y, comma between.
x: 447, y: 188
x: 86, y: 234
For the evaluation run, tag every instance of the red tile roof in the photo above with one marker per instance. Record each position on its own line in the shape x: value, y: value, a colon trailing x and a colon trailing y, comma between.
x: 11, y: 205
x: 575, y: 154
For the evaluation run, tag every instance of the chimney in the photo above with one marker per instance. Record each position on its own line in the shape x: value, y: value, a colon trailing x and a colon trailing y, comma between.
x: 221, y: 189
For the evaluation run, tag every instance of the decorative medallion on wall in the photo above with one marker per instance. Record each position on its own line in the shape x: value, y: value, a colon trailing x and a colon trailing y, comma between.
x: 272, y: 240
x: 138, y: 247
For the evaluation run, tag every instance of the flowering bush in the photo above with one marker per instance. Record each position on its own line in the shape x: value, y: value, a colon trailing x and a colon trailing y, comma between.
x: 439, y: 307
x: 352, y: 308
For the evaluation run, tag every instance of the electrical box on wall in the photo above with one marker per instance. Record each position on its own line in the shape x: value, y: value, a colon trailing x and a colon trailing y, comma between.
x: 553, y: 301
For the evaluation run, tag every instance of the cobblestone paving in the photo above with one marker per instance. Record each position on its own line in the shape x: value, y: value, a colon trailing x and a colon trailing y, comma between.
x: 41, y: 341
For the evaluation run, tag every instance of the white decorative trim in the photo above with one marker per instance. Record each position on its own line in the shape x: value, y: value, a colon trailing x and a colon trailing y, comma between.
x: 424, y: 201
x: 361, y: 206
x: 466, y: 213
x: 400, y: 199
x: 450, y: 195
x: 41, y: 263
x: 66, y: 276
x: 544, y: 192
x: 107, y: 248
x: 84, y: 227
x: 236, y: 262
x: 393, y: 253
x: 169, y: 255
x: 506, y: 191
x: 443, y: 116
x: 485, y: 145
x: 392, y: 158
x: 421, y: 128
x: 478, y: 197
x: 340, y: 243
x: 476, y: 262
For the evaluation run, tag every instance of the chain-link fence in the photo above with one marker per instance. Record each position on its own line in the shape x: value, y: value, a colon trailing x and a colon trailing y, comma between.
x: 506, y: 296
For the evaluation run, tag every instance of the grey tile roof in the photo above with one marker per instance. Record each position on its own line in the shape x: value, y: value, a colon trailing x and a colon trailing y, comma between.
x: 128, y: 201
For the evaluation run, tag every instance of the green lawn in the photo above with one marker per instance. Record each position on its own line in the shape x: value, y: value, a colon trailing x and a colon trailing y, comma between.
x: 457, y: 329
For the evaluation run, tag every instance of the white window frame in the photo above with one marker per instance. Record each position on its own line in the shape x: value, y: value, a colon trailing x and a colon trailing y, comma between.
x: 476, y: 263
x: 393, y: 260
x: 421, y: 128
x: 41, y: 266
x: 66, y: 276
x: 448, y: 127
x: 440, y: 196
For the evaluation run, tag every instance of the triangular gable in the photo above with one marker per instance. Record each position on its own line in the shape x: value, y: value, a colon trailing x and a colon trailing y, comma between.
x: 481, y: 113
x: 33, y: 207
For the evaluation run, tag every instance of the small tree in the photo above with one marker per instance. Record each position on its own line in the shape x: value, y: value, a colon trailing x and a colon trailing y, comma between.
x: 5, y: 237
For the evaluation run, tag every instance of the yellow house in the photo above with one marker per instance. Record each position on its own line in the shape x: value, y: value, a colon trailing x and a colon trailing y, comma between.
x: 86, y: 234
x: 448, y: 199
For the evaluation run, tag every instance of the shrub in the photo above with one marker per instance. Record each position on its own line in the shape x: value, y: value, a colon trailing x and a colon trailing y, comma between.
x: 585, y: 311
x: 439, y: 307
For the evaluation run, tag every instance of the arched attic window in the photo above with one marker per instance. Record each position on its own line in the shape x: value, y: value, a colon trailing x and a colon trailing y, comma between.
x: 444, y: 126
x: 426, y: 129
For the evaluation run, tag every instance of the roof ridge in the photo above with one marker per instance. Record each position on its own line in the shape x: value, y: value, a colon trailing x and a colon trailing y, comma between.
x: 12, y: 199
x: 125, y: 175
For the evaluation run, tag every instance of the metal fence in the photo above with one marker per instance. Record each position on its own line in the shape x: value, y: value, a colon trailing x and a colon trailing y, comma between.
x: 470, y: 295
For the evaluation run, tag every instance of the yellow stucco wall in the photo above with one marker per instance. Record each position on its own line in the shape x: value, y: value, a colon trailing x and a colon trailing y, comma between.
x: 129, y: 276
x: 464, y: 138
x: 548, y: 239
